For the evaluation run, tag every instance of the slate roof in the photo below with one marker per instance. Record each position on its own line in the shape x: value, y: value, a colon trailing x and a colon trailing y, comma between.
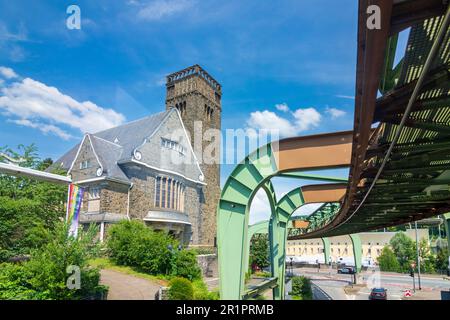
x: 116, y: 144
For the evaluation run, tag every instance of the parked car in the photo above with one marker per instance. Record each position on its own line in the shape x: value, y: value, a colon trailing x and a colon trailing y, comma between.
x: 346, y: 270
x: 378, y: 294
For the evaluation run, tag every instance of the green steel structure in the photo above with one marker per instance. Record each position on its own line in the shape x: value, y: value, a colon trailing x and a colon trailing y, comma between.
x: 277, y: 228
x: 233, y: 211
x: 403, y: 174
x: 399, y: 172
x: 357, y: 251
x: 326, y: 250
x: 447, y: 231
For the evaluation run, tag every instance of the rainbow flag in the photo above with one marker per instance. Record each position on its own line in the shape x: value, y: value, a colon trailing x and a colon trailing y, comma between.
x: 74, y: 201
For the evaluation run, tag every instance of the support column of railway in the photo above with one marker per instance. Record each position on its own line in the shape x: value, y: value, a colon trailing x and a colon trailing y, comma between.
x: 357, y: 251
x: 326, y: 251
x: 447, y: 233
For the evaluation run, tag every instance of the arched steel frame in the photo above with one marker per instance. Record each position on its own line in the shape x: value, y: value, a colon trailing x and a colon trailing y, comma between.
x: 284, y: 157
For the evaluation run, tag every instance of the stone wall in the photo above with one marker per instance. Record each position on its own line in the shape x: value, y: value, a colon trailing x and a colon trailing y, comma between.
x: 162, y: 293
x: 196, y: 93
x: 114, y: 198
x: 208, y: 263
x: 142, y: 193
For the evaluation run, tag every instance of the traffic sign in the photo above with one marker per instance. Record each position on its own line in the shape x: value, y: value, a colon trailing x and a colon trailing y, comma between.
x: 407, y: 293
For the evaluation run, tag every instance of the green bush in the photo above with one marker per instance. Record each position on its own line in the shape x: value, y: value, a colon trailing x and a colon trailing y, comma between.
x: 301, y: 288
x: 263, y: 274
x: 184, y: 264
x: 203, y: 250
x: 131, y: 243
x: 181, y: 289
x: 201, y: 291
x: 44, y: 276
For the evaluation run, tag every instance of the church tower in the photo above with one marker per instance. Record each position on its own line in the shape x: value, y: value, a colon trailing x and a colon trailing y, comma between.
x: 197, y: 96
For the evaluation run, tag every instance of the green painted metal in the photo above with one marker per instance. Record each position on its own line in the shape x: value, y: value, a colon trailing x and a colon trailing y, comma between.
x: 322, y: 215
x: 255, y: 290
x: 390, y: 74
x: 279, y: 226
x: 357, y: 251
x: 447, y: 230
x: 421, y: 152
x: 326, y: 250
x: 232, y: 219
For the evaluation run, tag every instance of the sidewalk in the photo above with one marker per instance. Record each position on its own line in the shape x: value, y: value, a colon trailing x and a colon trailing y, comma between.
x: 128, y: 287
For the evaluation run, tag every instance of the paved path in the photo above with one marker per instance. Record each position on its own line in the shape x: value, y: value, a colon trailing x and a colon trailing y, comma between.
x: 127, y: 287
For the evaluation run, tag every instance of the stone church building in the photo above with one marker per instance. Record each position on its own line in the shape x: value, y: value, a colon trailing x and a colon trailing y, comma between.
x: 151, y: 169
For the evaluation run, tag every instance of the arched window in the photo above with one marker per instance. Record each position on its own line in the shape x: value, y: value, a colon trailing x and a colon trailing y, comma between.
x: 169, y: 194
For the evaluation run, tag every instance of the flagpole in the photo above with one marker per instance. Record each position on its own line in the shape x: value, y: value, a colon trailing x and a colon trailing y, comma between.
x: 67, y: 203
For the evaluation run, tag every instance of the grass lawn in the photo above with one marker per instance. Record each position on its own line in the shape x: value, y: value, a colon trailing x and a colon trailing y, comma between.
x: 105, y: 263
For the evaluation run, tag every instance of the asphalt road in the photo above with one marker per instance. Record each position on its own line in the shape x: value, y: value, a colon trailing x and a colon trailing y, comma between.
x: 329, y: 284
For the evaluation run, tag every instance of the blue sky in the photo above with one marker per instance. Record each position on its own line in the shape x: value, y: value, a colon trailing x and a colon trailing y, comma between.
x: 289, y: 64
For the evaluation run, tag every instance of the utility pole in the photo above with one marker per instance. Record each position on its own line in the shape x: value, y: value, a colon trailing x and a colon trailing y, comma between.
x: 418, y: 257
x: 411, y: 274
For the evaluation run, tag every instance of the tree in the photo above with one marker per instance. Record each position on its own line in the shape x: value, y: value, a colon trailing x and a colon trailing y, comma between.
x: 301, y: 288
x: 27, y: 207
x: 388, y: 261
x: 441, y: 262
x: 259, y: 250
x: 404, y: 250
x: 427, y: 259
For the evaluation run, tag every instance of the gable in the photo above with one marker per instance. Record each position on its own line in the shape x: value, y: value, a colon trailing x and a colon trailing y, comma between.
x: 169, y: 149
x: 86, y: 162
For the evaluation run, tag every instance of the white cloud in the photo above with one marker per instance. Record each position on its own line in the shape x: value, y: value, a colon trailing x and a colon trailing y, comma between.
x: 8, y: 73
x: 345, y: 97
x: 40, y: 106
x: 306, y: 119
x: 282, y: 107
x: 259, y: 208
x: 45, y: 128
x: 156, y: 10
x: 335, y: 113
x: 268, y: 120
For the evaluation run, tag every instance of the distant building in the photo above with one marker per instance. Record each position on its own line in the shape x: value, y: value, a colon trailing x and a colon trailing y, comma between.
x: 341, y: 248
x: 147, y: 169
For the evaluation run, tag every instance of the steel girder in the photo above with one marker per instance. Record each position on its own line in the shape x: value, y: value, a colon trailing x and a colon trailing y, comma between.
x: 273, y: 159
x: 277, y: 228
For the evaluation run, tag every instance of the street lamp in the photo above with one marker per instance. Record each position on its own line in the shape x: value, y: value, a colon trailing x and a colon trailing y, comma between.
x: 418, y: 255
x: 292, y: 268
